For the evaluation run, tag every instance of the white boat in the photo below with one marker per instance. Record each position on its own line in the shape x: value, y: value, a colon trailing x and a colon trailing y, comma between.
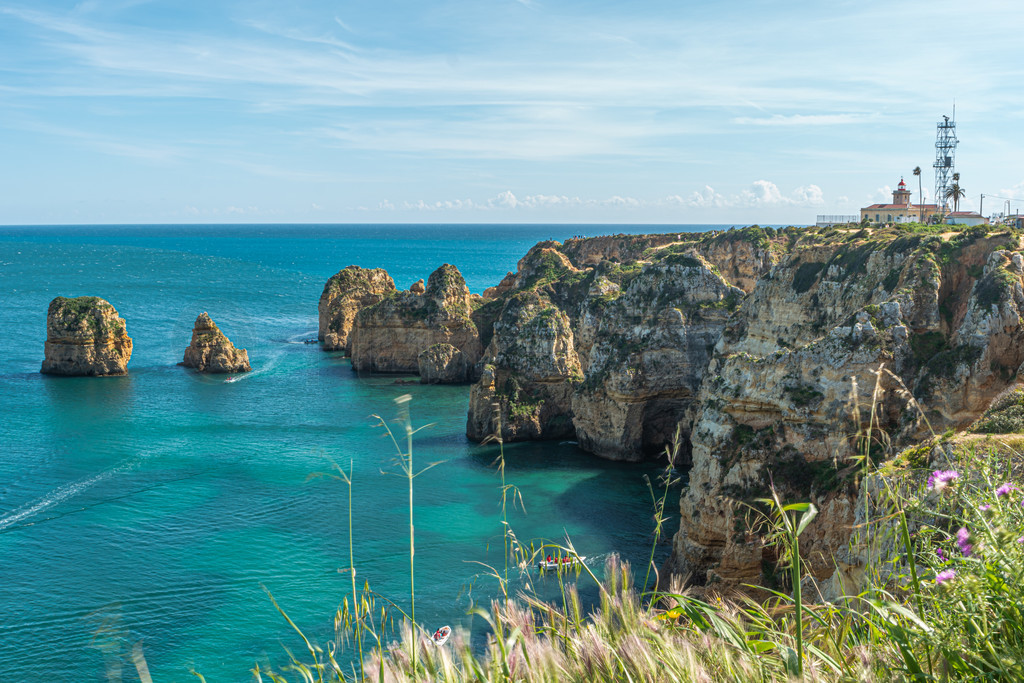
x: 563, y: 562
x: 232, y: 379
x: 440, y: 636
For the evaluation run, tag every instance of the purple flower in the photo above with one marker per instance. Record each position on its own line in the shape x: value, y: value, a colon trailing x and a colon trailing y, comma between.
x: 963, y: 540
x: 944, y: 576
x: 984, y: 507
x: 1005, y: 489
x: 939, y: 479
x: 941, y: 555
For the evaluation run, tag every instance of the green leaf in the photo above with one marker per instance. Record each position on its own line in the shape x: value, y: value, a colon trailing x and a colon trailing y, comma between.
x: 811, y: 513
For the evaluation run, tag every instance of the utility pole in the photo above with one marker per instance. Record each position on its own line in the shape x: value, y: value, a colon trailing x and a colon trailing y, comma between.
x: 981, y: 205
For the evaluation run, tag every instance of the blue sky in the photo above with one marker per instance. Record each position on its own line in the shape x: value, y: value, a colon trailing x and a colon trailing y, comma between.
x: 136, y: 111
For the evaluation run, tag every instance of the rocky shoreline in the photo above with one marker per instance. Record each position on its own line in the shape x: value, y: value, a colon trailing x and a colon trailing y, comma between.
x: 755, y: 345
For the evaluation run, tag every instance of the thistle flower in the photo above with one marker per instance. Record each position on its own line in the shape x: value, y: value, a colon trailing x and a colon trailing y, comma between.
x: 944, y: 576
x: 939, y: 479
x: 985, y: 507
x: 1005, y: 489
x: 941, y: 555
x: 963, y: 540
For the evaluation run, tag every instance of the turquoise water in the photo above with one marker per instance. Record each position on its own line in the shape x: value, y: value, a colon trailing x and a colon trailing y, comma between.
x: 150, y: 511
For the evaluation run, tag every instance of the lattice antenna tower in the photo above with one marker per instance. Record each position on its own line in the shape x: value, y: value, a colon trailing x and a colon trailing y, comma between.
x: 945, y: 158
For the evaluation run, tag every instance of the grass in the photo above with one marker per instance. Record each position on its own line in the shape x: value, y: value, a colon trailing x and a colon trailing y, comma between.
x: 944, y: 559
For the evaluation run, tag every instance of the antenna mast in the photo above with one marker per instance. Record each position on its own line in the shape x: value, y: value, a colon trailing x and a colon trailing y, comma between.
x: 945, y: 158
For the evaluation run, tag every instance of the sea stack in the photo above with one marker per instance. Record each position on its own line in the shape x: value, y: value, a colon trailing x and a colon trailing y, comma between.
x: 391, y: 335
x: 345, y: 293
x: 212, y: 352
x: 85, y: 337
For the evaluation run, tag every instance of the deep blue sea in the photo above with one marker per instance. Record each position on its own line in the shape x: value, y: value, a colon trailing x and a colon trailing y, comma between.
x: 148, y: 513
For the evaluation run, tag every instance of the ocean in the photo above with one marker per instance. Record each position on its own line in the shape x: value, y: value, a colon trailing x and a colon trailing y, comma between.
x: 153, y: 513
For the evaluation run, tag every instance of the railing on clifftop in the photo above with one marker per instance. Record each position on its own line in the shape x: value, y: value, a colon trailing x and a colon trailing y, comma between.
x: 828, y: 220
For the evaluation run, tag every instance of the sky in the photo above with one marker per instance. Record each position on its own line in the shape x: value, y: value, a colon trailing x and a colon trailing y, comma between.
x: 504, y: 111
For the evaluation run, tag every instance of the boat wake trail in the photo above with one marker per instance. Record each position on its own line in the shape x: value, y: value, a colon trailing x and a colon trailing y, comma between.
x: 56, y: 496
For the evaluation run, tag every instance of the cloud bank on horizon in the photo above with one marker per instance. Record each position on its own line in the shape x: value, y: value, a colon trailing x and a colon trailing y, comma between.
x: 156, y: 111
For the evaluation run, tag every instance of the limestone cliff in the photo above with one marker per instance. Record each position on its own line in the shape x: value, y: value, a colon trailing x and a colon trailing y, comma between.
x: 85, y: 336
x: 794, y: 374
x: 211, y: 351
x: 530, y: 370
x: 607, y: 339
x: 390, y: 335
x: 752, y: 341
x: 764, y: 347
x: 345, y: 293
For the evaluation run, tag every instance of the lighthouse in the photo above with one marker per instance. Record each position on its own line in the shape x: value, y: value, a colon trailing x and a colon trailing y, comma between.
x: 901, y: 195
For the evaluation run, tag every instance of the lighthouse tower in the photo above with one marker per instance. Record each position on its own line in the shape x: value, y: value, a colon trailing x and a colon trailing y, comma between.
x: 901, y: 195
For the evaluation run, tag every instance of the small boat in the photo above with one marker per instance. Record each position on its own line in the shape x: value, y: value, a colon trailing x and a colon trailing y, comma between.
x: 563, y: 562
x: 232, y: 379
x: 440, y: 636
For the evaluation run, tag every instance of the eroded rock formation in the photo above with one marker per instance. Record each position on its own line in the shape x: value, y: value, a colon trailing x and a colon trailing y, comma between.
x: 345, y: 293
x: 442, y: 364
x: 796, y: 370
x: 390, y: 335
x: 758, y: 345
x: 85, y: 336
x: 210, y: 351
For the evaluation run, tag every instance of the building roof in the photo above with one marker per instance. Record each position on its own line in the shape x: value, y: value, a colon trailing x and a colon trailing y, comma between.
x: 906, y: 207
x: 965, y: 214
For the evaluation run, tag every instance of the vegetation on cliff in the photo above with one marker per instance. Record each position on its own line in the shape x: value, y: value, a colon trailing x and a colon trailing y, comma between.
x: 748, y: 339
x: 943, y: 542
x: 85, y: 336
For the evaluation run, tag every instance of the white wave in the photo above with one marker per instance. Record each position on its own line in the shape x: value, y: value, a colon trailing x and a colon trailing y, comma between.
x: 58, y: 495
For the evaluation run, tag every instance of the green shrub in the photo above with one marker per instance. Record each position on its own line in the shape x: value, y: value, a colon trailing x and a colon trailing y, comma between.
x: 1004, y: 416
x: 990, y: 289
x: 806, y: 275
x: 926, y: 344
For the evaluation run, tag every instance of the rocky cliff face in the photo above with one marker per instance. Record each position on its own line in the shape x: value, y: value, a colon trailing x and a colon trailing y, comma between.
x: 85, y: 336
x: 390, y: 335
x: 610, y: 352
x: 795, y: 372
x: 531, y: 367
x: 752, y: 341
x: 211, y: 351
x: 764, y: 348
x: 345, y: 293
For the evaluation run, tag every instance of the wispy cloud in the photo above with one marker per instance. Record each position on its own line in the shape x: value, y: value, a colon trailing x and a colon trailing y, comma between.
x: 624, y: 104
x: 805, y: 119
x: 109, y: 144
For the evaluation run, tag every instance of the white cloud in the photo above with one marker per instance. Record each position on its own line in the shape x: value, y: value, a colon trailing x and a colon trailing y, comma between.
x: 760, y: 193
x: 706, y: 197
x: 809, y: 195
x: 882, y: 195
x: 1014, y: 192
x: 508, y: 201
